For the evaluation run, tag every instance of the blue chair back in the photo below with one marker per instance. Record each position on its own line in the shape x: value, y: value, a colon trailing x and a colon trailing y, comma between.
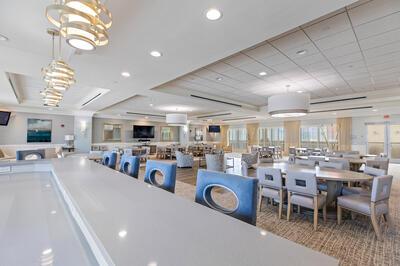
x: 110, y: 159
x: 243, y: 188
x: 168, y: 170
x: 22, y: 155
x: 130, y: 165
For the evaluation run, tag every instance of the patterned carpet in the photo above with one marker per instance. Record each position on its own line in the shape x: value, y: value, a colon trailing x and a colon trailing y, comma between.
x: 353, y: 242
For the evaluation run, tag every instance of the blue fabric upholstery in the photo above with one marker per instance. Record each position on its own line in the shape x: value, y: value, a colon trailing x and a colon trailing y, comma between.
x: 130, y: 165
x: 22, y: 155
x: 168, y: 171
x: 110, y: 159
x: 245, y: 190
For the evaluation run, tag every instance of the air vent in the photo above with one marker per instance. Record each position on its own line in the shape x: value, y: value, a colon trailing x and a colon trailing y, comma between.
x: 144, y: 114
x: 91, y: 99
x: 342, y: 109
x: 341, y: 100
x: 208, y: 116
x: 214, y: 100
x: 239, y: 118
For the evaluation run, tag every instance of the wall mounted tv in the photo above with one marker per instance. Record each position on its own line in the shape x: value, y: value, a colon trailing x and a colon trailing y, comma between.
x: 214, y: 129
x: 143, y: 132
x: 4, y: 118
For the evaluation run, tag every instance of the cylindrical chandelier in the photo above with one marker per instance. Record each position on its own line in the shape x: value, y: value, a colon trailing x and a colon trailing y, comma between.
x: 289, y: 105
x: 176, y: 119
x: 84, y: 23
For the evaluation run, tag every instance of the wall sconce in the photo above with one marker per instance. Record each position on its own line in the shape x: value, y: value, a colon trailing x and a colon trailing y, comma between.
x: 83, y: 126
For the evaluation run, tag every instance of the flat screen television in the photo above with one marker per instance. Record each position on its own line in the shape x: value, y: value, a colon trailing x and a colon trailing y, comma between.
x: 143, y: 132
x: 4, y: 118
x: 214, y: 129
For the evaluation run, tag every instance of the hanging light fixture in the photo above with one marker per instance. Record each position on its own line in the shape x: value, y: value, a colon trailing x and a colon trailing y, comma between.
x: 176, y: 119
x: 58, y: 76
x: 84, y: 23
x: 289, y: 105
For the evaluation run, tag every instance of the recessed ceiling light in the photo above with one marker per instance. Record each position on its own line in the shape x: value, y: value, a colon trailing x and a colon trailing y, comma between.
x: 126, y: 74
x: 155, y: 53
x: 122, y: 233
x: 151, y: 105
x: 263, y: 73
x: 219, y: 78
x: 333, y: 113
x: 263, y: 232
x: 375, y: 110
x: 213, y: 14
x: 301, y: 52
x: 3, y: 38
x: 146, y: 117
x: 300, y: 91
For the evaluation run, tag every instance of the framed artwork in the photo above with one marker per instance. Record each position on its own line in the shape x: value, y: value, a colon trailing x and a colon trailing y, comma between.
x: 39, y: 130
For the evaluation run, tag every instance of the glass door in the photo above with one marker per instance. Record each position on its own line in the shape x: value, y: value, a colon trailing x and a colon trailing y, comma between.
x: 384, y: 138
x: 376, y: 140
x: 394, y: 146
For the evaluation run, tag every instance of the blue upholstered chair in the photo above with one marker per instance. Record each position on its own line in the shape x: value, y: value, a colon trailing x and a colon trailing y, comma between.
x: 168, y: 170
x: 130, y: 165
x: 110, y: 159
x: 30, y: 155
x: 243, y: 188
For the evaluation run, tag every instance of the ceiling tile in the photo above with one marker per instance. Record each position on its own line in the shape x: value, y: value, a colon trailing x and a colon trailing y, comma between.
x: 274, y: 60
x: 373, y: 10
x: 291, y: 41
x: 346, y: 49
x: 260, y: 52
x: 378, y: 26
x: 381, y: 39
x: 346, y: 60
x: 328, y: 27
x: 339, y: 39
x: 238, y: 60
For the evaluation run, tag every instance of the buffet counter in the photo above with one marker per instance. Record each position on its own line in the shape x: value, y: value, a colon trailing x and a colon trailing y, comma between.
x: 73, y: 211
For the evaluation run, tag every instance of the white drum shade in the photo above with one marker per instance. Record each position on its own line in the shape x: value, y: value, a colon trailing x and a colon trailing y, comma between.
x: 176, y: 119
x: 289, y: 105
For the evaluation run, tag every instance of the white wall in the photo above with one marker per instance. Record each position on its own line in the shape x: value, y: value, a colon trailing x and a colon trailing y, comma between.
x: 127, y: 129
x: 83, y: 133
x: 16, y: 131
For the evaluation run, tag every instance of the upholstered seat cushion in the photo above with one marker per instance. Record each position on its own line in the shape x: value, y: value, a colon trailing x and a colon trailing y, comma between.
x: 361, y: 204
x: 271, y: 193
x: 346, y: 191
x: 308, y: 201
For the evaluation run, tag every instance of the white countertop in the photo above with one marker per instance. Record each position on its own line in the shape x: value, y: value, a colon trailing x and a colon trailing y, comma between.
x: 141, y: 225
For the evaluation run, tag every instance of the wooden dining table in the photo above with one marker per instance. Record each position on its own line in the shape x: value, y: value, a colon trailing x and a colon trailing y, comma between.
x: 334, y: 178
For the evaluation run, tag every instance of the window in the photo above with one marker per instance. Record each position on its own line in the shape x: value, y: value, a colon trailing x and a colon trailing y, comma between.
x: 237, y: 138
x: 271, y: 136
x: 323, y: 136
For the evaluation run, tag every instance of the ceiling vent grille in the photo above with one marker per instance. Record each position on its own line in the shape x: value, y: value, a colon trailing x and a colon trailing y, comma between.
x: 341, y: 100
x: 214, y: 100
x: 144, y: 114
x: 216, y: 115
x: 343, y: 109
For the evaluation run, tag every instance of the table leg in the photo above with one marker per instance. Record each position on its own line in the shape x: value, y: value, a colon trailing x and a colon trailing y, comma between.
x: 333, y: 191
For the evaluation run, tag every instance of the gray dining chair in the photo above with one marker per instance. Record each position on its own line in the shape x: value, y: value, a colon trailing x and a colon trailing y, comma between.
x: 271, y: 187
x: 379, y: 163
x: 345, y: 162
x: 305, y: 162
x: 322, y: 186
x: 215, y: 162
x: 363, y: 190
x: 302, y: 191
x: 375, y: 206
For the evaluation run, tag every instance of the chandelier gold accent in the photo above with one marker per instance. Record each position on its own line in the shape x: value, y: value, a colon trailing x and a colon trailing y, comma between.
x: 84, y: 23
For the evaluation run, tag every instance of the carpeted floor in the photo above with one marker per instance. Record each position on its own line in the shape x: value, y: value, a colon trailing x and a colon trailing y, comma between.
x: 353, y: 242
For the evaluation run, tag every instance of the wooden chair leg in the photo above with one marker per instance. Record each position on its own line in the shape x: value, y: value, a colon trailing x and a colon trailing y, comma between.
x: 289, y: 207
x: 315, y: 213
x: 298, y: 209
x: 339, y: 215
x: 375, y: 224
x: 259, y: 202
x: 352, y: 215
x: 280, y: 204
x: 324, y: 213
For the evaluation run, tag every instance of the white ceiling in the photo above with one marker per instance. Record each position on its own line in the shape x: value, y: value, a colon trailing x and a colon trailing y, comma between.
x: 350, y: 51
x: 356, y: 49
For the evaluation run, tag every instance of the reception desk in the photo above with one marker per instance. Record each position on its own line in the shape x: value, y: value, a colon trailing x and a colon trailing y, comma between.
x: 74, y: 211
